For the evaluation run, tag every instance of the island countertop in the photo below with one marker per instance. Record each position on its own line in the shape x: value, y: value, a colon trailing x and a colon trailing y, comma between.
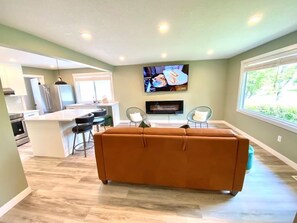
x: 62, y: 116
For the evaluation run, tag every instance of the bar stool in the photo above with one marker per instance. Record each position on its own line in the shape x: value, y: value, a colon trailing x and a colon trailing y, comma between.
x: 99, y: 118
x: 83, y: 124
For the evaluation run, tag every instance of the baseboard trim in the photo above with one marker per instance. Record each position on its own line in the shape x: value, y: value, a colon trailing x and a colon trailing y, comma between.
x: 264, y: 146
x: 14, y: 201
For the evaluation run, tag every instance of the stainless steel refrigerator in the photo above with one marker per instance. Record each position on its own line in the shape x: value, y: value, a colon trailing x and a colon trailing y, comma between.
x: 51, y: 98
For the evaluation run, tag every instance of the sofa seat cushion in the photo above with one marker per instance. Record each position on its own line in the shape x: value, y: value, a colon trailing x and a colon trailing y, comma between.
x: 210, y: 132
x: 165, y: 131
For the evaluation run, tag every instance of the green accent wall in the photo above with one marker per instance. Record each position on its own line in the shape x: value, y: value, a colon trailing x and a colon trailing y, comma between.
x: 263, y: 131
x: 206, y: 87
x: 49, y: 75
x: 66, y: 74
x: 12, y: 177
x: 16, y: 39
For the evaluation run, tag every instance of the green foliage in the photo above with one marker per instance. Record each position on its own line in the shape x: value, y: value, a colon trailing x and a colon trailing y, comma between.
x: 255, y: 81
x: 283, y: 76
x: 286, y: 113
x: 270, y: 81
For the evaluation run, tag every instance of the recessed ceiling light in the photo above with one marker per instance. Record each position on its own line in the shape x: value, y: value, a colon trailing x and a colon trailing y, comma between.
x: 253, y: 20
x: 86, y: 36
x: 122, y: 58
x: 164, y: 55
x: 163, y: 27
x: 12, y: 60
x: 210, y: 52
x: 52, y: 66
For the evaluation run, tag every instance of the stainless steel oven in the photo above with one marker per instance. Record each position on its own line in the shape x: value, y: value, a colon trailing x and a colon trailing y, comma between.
x: 19, y: 128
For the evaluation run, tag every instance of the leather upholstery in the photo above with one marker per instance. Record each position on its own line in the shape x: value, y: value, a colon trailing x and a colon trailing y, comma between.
x: 211, y: 159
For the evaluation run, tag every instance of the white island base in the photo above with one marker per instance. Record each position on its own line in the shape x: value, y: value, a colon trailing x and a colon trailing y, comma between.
x: 51, y: 134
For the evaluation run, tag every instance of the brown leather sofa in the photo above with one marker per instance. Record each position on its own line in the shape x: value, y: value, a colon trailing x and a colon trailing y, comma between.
x: 210, y: 159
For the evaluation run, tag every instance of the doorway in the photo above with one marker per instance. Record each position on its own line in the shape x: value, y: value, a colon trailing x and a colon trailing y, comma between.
x: 28, y: 100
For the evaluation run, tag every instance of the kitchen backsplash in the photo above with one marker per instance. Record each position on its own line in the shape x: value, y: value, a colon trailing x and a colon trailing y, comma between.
x: 14, y: 104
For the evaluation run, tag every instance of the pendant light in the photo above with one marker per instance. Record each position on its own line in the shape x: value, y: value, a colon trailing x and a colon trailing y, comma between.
x: 59, y: 81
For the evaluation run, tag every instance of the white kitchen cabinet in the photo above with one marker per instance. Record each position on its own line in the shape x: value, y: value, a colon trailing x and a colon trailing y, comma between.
x: 12, y: 77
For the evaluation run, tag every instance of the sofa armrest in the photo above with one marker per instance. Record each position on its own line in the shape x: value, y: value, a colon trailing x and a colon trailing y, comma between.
x: 99, y: 156
x: 242, y: 157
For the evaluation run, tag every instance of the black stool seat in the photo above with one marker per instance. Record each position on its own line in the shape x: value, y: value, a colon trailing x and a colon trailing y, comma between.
x: 83, y: 124
x: 81, y: 128
x: 99, y: 118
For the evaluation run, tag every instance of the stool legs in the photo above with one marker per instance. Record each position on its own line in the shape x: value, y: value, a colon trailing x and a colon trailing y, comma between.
x: 90, y: 134
x: 98, y: 127
x: 73, y: 143
x: 85, y: 144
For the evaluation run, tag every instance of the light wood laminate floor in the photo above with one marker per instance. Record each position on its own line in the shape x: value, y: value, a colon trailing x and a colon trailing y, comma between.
x: 67, y: 190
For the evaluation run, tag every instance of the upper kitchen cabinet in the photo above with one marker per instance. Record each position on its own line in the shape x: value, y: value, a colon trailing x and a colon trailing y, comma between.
x: 12, y: 77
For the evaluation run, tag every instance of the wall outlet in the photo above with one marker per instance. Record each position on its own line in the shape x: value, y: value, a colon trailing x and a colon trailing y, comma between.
x: 279, y: 138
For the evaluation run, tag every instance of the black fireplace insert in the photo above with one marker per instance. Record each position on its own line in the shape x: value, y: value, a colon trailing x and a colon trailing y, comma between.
x: 164, y: 107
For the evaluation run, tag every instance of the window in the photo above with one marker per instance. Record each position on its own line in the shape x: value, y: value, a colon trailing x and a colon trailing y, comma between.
x: 92, y: 87
x: 269, y: 87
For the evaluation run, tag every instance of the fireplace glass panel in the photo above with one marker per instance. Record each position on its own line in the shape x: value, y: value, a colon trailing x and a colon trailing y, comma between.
x: 165, y: 107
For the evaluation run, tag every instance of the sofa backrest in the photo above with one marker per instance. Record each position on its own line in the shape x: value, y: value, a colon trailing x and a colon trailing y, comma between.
x: 164, y: 131
x: 210, y: 132
x: 137, y: 131
x: 173, y: 131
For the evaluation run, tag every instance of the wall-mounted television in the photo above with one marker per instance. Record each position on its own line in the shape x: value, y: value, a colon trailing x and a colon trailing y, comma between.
x: 166, y: 78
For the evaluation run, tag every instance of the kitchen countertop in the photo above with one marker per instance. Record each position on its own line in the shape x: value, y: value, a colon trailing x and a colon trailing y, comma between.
x: 93, y: 104
x: 23, y: 111
x: 29, y: 111
x: 64, y: 115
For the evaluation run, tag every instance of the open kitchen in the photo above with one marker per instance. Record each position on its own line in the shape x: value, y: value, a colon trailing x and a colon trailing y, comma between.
x: 42, y: 92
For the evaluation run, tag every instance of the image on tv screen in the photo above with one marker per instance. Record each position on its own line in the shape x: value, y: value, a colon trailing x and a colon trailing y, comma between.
x: 166, y: 78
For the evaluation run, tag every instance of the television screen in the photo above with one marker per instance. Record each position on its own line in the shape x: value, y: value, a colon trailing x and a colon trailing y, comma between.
x: 166, y: 78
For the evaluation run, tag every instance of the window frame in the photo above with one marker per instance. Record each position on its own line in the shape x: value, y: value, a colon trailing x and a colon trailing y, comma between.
x: 242, y: 85
x: 92, y: 77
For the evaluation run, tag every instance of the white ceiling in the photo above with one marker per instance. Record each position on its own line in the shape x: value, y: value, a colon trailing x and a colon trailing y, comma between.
x: 130, y: 28
x: 34, y: 60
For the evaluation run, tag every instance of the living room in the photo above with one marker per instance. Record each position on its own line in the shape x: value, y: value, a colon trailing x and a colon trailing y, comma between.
x: 213, y: 82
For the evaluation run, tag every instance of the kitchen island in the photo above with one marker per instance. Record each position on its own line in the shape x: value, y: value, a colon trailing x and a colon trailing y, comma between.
x: 112, y: 109
x: 51, y: 134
